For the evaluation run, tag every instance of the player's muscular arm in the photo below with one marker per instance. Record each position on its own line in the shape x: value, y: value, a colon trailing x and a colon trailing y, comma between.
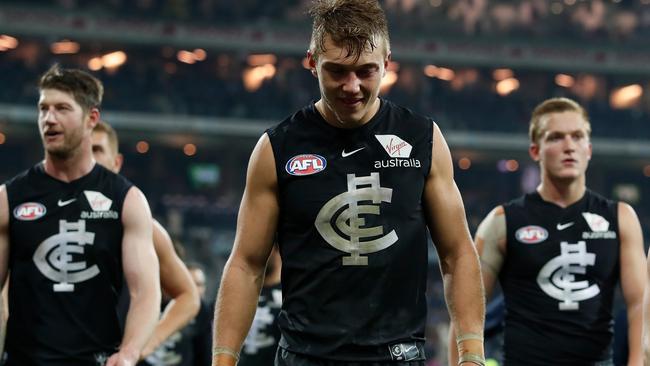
x: 490, y: 242
x: 244, y: 271
x: 142, y: 276
x: 646, y: 315
x: 176, y: 283
x: 4, y: 258
x: 633, y: 278
x: 458, y: 258
x: 491, y: 245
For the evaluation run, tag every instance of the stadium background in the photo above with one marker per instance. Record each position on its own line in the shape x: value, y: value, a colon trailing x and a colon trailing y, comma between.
x: 191, y: 85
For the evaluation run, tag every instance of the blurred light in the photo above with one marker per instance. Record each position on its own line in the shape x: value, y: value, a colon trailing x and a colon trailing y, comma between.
x: 200, y: 54
x: 507, y: 86
x: 646, y: 171
x: 586, y: 86
x: 388, y: 81
x: 570, y: 2
x: 114, y: 59
x: 512, y: 165
x: 3, y: 138
x: 464, y: 163
x: 502, y: 74
x: 255, y: 76
x: 8, y: 42
x: 170, y: 68
x: 186, y: 57
x: 625, y: 97
x: 431, y: 71
x: 463, y: 78
x: 262, y: 59
x: 445, y: 74
x: 142, y: 147
x: 435, y: 3
x: 190, y: 57
x: 557, y: 8
x: 189, y: 149
x: 645, y: 2
x: 564, y: 80
x: 392, y: 66
x: 95, y: 64
x: 64, y: 47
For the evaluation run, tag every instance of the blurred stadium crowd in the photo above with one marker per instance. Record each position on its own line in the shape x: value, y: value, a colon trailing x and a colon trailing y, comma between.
x: 615, y: 19
x: 201, y: 212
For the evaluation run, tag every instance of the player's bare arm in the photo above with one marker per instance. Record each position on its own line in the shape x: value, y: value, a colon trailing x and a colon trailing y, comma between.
x: 176, y: 282
x: 458, y: 258
x: 141, y: 272
x: 244, y: 272
x: 633, y: 278
x: 4, y: 259
x: 646, y: 314
x: 490, y: 241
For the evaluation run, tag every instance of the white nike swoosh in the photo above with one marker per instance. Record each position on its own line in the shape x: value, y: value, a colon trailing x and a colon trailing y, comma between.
x: 408, y: 349
x: 345, y: 155
x: 561, y: 227
x: 65, y: 203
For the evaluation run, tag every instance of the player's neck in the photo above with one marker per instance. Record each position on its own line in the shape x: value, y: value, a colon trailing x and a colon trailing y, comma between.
x: 73, y: 167
x: 562, y: 193
x: 330, y: 116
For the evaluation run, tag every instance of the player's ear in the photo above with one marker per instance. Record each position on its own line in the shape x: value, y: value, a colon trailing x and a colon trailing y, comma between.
x: 311, y: 62
x: 533, y: 151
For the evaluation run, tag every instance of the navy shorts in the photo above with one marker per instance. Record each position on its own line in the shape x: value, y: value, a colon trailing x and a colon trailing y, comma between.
x: 286, y: 358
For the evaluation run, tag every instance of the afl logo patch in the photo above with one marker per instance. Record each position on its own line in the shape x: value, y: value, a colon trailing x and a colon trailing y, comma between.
x: 306, y: 164
x: 531, y: 234
x: 29, y: 211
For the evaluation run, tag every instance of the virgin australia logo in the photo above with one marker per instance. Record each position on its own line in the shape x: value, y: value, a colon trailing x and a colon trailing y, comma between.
x: 395, y: 146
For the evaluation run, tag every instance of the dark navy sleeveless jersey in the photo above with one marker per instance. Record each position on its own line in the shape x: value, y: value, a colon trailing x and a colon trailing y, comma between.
x: 352, y: 234
x: 261, y: 343
x: 558, y: 279
x: 65, y: 267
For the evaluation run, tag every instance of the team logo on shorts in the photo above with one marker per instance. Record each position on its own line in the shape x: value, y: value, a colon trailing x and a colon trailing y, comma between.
x: 404, y: 351
x: 29, y: 211
x: 306, y: 164
x: 531, y: 234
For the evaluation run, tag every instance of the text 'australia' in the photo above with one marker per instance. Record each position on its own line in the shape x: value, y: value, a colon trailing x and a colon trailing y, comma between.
x: 398, y: 163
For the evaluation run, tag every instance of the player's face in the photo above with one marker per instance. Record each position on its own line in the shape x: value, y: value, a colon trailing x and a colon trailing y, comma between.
x: 62, y: 123
x: 349, y: 89
x: 104, y: 154
x: 564, y: 148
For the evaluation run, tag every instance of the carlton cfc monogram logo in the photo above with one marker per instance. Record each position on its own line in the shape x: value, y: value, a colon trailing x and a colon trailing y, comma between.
x: 350, y: 224
x: 557, y: 277
x: 54, y: 257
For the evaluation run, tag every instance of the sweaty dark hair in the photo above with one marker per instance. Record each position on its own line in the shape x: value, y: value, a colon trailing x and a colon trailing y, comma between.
x: 356, y: 25
x: 86, y: 89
